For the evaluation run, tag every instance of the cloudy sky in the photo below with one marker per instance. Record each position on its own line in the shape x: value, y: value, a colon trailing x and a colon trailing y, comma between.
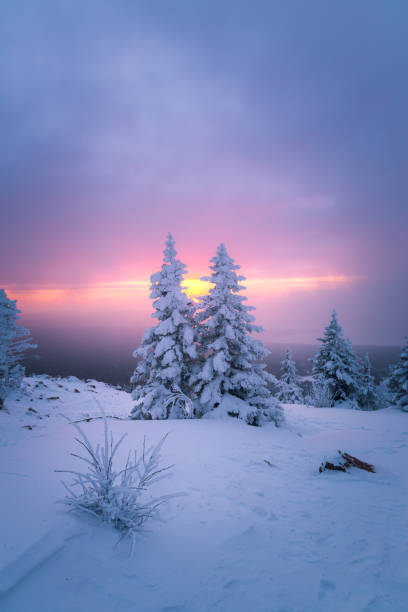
x: 279, y: 128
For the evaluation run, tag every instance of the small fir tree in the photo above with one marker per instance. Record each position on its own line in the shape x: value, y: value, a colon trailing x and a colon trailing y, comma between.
x: 15, y: 340
x: 290, y: 391
x: 383, y: 393
x: 391, y: 382
x: 367, y: 391
x: 398, y: 382
x: 161, y: 376
x: 231, y: 359
x: 337, y: 363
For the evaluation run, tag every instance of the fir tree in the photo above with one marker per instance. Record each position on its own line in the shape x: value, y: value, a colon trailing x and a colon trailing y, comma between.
x: 391, y: 382
x: 290, y: 391
x: 15, y: 340
x: 398, y: 382
x: 367, y: 391
x: 337, y: 363
x: 232, y: 360
x: 167, y: 349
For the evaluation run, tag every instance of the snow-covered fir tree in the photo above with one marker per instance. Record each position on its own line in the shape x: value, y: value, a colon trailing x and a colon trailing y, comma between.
x: 391, y: 383
x: 290, y: 391
x: 337, y: 363
x: 232, y: 360
x: 161, y: 377
x: 398, y: 381
x: 367, y: 390
x: 15, y: 340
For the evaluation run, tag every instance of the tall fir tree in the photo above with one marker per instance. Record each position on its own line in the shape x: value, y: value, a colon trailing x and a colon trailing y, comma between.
x: 367, y: 390
x: 232, y: 360
x: 398, y: 381
x: 337, y: 363
x: 168, y: 349
x: 290, y: 391
x: 15, y: 340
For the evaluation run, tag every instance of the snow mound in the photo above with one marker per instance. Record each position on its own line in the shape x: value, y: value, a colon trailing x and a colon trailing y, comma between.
x: 259, y: 527
x: 235, y: 407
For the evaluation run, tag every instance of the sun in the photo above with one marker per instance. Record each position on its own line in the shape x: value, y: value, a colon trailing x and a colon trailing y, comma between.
x: 195, y: 287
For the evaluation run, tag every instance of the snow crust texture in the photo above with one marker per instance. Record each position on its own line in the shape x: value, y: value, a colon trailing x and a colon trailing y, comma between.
x: 247, y: 535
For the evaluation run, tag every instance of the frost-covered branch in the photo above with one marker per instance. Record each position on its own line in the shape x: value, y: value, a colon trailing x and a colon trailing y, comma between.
x: 115, y: 496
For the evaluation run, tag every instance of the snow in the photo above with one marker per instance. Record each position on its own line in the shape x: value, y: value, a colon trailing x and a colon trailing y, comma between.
x: 246, y: 535
x: 167, y: 350
x: 14, y: 341
x: 232, y: 361
x: 288, y: 383
x: 398, y: 382
x: 337, y: 364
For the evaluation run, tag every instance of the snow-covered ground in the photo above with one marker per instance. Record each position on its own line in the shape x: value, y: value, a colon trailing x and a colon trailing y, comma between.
x: 245, y: 536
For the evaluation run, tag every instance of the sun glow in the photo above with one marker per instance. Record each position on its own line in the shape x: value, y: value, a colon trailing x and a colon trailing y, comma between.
x: 273, y: 285
x: 297, y: 283
x: 195, y: 287
x: 136, y: 291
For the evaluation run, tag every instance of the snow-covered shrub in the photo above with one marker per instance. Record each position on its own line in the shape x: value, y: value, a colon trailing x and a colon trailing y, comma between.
x: 178, y: 405
x: 320, y: 394
x: 232, y: 406
x: 232, y: 361
x: 337, y: 364
x: 116, y: 496
x: 14, y: 341
x: 161, y: 403
x: 168, y: 349
x: 289, y: 390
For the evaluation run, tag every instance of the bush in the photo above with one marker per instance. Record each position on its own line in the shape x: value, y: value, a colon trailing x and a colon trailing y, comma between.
x: 162, y: 403
x: 320, y: 395
x: 115, y: 497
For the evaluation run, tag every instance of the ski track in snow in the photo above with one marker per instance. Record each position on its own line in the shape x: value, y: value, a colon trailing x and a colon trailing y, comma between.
x: 246, y: 536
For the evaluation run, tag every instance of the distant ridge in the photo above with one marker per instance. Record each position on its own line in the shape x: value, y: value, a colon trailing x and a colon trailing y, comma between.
x: 106, y: 354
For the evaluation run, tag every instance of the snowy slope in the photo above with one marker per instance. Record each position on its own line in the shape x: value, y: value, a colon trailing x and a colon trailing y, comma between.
x: 245, y: 536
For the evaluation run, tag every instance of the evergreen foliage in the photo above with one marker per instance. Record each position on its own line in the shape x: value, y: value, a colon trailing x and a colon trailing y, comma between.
x: 290, y: 391
x: 232, y: 360
x: 15, y: 340
x: 337, y: 363
x: 161, y: 376
x: 367, y: 392
x: 398, y: 382
x: 391, y: 382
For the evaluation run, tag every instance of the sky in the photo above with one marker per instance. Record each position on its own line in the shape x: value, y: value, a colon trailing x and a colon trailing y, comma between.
x: 278, y: 128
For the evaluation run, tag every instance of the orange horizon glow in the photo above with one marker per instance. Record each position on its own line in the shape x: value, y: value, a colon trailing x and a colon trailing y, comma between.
x: 126, y: 290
